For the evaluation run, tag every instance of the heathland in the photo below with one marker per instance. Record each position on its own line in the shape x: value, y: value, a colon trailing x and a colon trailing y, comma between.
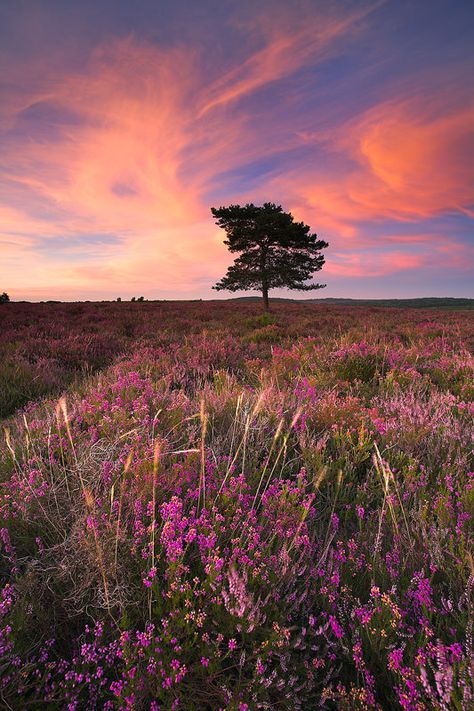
x: 206, y: 507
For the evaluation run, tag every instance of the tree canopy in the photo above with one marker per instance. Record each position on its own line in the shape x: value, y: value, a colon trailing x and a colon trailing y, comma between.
x: 275, y: 251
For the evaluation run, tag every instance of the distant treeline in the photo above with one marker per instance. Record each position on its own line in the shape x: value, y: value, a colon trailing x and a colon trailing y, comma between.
x: 428, y: 302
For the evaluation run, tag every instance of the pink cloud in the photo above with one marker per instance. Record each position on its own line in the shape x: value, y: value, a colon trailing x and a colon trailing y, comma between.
x: 426, y: 251
x: 371, y: 265
x: 406, y: 160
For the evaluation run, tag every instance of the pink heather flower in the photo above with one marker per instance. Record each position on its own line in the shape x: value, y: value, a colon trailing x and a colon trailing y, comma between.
x: 336, y: 627
x: 463, y: 517
x: 456, y: 650
x: 363, y: 615
x: 5, y: 538
x: 232, y: 644
x: 380, y: 426
x: 422, y: 595
x: 395, y: 659
x: 360, y: 511
x: 205, y: 662
x: 116, y: 687
x: 148, y: 581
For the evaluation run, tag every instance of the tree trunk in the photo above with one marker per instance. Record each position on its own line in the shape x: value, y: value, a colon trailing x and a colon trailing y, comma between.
x: 263, y: 275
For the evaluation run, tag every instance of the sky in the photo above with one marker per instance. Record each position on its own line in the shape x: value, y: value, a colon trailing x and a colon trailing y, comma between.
x: 123, y: 121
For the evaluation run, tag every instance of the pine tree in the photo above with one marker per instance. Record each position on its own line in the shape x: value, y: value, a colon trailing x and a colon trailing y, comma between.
x: 275, y: 251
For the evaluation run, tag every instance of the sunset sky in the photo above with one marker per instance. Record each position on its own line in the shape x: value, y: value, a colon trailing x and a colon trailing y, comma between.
x: 123, y: 121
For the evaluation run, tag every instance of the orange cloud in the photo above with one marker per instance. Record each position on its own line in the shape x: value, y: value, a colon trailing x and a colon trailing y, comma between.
x: 114, y: 169
x: 412, y: 161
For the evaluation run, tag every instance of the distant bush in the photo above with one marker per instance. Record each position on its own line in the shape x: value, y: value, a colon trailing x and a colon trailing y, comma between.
x: 266, y: 334
x: 265, y: 319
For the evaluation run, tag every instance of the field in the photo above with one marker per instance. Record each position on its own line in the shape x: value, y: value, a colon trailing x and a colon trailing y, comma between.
x: 207, y: 507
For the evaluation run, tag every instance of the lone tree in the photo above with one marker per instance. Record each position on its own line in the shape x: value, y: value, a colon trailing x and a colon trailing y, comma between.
x: 4, y: 298
x: 275, y: 251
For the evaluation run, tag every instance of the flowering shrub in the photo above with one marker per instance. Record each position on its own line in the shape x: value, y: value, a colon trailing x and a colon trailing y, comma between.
x: 219, y: 521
